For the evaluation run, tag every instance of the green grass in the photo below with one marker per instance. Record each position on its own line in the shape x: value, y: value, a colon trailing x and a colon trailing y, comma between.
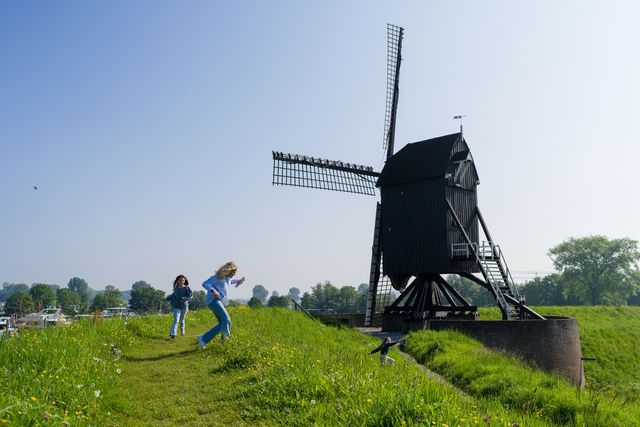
x: 610, y: 334
x: 59, y: 376
x: 282, y: 368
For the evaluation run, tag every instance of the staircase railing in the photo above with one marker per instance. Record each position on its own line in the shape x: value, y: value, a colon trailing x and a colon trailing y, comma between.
x: 495, y: 283
x: 486, y: 251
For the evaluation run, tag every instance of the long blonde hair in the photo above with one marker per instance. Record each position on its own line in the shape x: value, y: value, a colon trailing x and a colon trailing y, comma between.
x: 226, y: 269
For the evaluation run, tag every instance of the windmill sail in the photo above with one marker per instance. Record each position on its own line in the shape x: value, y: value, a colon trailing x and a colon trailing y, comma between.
x: 312, y: 172
x: 394, y: 57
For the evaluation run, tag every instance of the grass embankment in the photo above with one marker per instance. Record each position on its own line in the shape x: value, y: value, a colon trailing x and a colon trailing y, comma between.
x: 280, y: 368
x: 59, y: 376
x: 608, y: 400
x: 611, y: 335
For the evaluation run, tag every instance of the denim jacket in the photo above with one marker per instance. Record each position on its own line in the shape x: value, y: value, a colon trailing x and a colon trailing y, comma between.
x: 180, y: 297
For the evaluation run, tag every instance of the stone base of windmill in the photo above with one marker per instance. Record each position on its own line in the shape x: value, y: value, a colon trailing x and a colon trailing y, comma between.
x: 553, y: 345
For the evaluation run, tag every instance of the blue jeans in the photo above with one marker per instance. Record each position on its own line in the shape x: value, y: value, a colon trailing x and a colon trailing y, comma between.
x: 179, y: 315
x: 224, y: 322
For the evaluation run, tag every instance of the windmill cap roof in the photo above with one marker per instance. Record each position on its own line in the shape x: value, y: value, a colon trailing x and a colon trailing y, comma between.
x: 421, y: 160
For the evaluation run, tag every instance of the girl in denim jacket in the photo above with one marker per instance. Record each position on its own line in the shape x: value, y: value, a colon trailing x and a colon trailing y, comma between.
x: 179, y: 304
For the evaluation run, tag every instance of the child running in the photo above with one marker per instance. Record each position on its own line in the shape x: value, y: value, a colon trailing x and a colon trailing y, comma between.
x: 217, y: 287
x: 179, y: 304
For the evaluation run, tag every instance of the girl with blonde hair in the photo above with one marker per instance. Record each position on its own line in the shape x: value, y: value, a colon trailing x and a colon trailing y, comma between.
x: 217, y: 287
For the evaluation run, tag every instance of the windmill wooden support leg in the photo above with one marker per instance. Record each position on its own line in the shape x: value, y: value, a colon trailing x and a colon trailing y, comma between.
x: 374, y: 275
x: 429, y: 296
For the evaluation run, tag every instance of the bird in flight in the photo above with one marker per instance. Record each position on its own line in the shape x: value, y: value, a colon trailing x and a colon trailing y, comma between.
x: 35, y: 188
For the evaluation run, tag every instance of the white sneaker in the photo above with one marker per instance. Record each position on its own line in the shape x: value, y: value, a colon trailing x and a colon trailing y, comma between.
x: 201, y: 342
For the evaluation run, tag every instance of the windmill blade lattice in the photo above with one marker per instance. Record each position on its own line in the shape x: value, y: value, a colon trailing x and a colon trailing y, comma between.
x: 311, y: 172
x: 394, y: 57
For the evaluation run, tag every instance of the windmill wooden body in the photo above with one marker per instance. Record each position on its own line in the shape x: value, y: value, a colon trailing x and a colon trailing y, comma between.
x: 427, y: 221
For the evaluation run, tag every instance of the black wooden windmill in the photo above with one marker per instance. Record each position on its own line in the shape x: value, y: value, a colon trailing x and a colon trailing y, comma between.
x: 427, y: 221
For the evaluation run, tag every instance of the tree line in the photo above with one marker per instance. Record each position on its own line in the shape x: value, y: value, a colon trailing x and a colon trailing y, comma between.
x: 593, y: 270
x: 78, y: 298
x: 323, y: 297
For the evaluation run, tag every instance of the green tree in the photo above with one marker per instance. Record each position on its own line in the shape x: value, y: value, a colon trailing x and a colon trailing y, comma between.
x: 198, y: 301
x: 598, y: 270
x: 99, y: 302
x: 147, y: 300
x: 255, y: 302
x: 9, y: 289
x: 474, y: 293
x: 260, y: 292
x: 80, y: 287
x: 68, y: 301
x: 110, y: 297
x: 43, y: 295
x: 295, y: 294
x: 307, y: 300
x: 140, y: 284
x: 347, y: 299
x: 547, y: 290
x: 19, y: 303
x: 278, y: 301
x: 363, y: 296
x: 325, y: 296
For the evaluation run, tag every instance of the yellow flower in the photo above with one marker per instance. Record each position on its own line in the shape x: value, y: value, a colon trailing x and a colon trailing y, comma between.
x: 33, y: 398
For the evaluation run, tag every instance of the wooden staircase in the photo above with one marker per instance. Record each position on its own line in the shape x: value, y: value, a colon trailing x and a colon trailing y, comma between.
x: 494, y: 269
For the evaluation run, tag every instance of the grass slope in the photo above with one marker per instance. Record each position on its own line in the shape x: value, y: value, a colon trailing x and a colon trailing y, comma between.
x: 611, y: 398
x: 611, y: 335
x: 280, y: 368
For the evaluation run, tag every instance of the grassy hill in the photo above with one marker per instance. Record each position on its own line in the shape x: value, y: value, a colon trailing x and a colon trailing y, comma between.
x: 281, y: 368
x: 611, y: 335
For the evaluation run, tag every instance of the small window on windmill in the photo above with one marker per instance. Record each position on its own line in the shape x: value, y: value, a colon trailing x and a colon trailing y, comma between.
x: 462, y: 162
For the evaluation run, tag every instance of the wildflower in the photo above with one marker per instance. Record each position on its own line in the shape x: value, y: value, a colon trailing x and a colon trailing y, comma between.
x: 369, y: 401
x: 79, y: 386
x: 33, y: 398
x: 118, y: 371
x: 96, y: 393
x: 313, y: 402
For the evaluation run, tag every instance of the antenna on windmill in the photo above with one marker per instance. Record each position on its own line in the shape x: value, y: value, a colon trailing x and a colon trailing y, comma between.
x: 394, y: 57
x: 459, y: 118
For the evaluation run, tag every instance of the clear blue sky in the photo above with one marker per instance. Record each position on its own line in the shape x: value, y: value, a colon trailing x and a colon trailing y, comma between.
x: 148, y: 126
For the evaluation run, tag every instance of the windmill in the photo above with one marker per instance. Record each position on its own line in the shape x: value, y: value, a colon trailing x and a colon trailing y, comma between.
x: 427, y: 221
